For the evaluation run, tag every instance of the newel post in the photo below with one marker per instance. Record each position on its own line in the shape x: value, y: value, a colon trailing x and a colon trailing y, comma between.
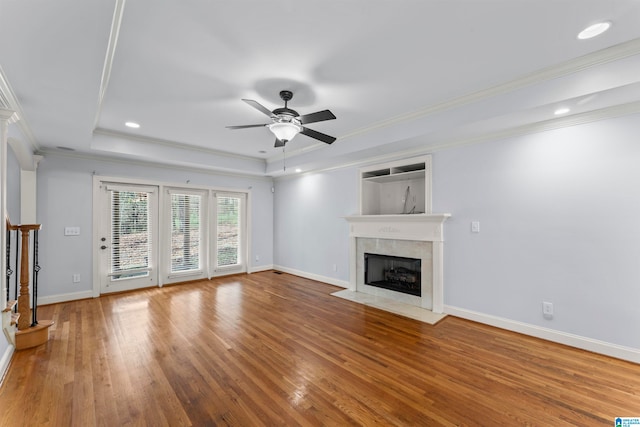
x: 24, y: 307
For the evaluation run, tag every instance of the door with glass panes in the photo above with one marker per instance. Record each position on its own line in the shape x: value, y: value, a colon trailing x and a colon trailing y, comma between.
x: 128, y: 234
x: 229, y: 247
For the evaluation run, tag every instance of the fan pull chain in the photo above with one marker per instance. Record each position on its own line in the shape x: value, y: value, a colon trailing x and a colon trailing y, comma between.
x: 284, y: 160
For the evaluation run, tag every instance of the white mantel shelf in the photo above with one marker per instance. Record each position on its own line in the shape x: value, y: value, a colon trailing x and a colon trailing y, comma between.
x: 400, y: 217
x: 422, y: 227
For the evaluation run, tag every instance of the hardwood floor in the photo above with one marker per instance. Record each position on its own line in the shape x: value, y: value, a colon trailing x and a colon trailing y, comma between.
x: 270, y: 349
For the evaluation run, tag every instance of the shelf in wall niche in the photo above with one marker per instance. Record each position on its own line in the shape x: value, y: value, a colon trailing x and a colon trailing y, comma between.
x: 399, y: 176
x: 395, y: 187
x: 376, y: 173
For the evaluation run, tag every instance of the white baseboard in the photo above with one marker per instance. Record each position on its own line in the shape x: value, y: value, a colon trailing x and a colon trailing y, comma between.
x: 312, y: 276
x: 53, y: 299
x: 260, y: 268
x: 4, y: 362
x: 577, y: 341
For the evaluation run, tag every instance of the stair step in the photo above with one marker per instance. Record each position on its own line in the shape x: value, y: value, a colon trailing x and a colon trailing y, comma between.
x: 34, y: 335
x: 10, y: 304
x: 14, y: 318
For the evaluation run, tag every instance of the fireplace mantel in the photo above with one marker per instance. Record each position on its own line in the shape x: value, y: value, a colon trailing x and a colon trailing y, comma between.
x: 412, y: 227
x: 421, y: 227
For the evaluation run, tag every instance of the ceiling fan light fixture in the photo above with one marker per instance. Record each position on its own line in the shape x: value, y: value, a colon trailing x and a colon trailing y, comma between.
x: 285, y: 131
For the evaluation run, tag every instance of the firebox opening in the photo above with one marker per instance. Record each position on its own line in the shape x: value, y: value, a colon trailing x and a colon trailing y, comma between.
x: 395, y: 273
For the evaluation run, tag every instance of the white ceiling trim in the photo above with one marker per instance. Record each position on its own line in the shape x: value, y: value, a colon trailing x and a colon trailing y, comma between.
x: 604, y: 56
x: 116, y: 24
x: 10, y: 102
x: 543, y: 126
x: 547, y: 125
x: 134, y: 162
x: 172, y: 144
x: 611, y: 54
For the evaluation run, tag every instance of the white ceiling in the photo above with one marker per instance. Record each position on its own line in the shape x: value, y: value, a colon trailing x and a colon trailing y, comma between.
x: 401, y: 76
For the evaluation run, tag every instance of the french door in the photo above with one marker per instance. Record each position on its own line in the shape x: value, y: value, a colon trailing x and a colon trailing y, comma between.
x: 148, y: 235
x: 128, y: 234
x: 185, y: 256
x: 230, y: 233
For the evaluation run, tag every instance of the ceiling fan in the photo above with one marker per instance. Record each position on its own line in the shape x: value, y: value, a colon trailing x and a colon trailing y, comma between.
x: 287, y: 123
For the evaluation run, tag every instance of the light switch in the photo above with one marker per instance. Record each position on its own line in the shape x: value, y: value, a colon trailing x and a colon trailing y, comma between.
x: 72, y: 231
x: 475, y: 226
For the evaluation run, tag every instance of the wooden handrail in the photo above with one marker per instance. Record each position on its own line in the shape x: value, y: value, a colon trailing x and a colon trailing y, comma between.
x: 11, y: 226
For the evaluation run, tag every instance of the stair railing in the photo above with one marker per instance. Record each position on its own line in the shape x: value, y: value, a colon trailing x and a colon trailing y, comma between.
x: 28, y: 316
x: 12, y: 229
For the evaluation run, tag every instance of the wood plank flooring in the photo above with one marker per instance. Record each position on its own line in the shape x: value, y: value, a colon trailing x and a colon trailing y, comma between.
x: 274, y: 349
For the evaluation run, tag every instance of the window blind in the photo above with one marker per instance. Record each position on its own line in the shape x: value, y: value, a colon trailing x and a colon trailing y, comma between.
x: 185, y: 232
x: 130, y: 234
x: 228, y: 226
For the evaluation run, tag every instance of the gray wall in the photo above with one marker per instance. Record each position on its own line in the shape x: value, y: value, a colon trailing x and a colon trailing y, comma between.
x: 559, y: 216
x: 310, y: 235
x: 65, y: 186
x: 13, y: 187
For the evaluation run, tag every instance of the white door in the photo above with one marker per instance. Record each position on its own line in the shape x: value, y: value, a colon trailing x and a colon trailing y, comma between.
x: 229, y: 233
x: 128, y: 236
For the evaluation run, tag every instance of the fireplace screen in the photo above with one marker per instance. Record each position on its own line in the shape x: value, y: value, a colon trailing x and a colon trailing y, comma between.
x: 394, y: 273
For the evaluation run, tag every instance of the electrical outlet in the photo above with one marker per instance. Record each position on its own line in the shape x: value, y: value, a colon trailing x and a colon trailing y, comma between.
x: 547, y: 309
x: 335, y: 267
x: 257, y: 257
x: 76, y: 278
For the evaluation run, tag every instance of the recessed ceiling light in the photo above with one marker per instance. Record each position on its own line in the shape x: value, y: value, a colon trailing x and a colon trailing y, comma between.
x: 132, y: 125
x: 298, y: 170
x: 594, y: 30
x: 561, y: 111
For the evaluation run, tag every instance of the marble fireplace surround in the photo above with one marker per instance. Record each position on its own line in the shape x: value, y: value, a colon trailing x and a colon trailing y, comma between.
x: 414, y: 236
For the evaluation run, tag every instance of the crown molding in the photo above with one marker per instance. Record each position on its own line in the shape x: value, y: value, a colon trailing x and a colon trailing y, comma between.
x: 134, y: 162
x: 114, y: 34
x: 543, y: 126
x: 9, y: 101
x: 601, y: 57
x: 8, y: 116
x: 172, y: 144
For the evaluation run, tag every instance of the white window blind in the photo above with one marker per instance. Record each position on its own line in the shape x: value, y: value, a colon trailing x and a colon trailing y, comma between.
x: 185, y: 232
x: 130, y: 234
x: 228, y: 226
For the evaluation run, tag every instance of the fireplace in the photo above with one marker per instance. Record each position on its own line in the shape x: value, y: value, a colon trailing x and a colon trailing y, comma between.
x: 403, y: 237
x: 399, y: 274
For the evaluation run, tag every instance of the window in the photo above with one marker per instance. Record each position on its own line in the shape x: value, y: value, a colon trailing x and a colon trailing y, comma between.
x: 130, y: 234
x: 228, y: 227
x: 185, y: 232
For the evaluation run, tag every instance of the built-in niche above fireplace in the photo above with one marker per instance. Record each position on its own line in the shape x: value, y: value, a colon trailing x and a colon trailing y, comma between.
x: 398, y: 187
x: 395, y: 222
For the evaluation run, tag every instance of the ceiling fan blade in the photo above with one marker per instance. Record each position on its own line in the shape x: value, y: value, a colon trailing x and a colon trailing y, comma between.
x: 318, y: 116
x: 245, y: 126
x: 317, y: 135
x: 279, y: 143
x: 259, y: 107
